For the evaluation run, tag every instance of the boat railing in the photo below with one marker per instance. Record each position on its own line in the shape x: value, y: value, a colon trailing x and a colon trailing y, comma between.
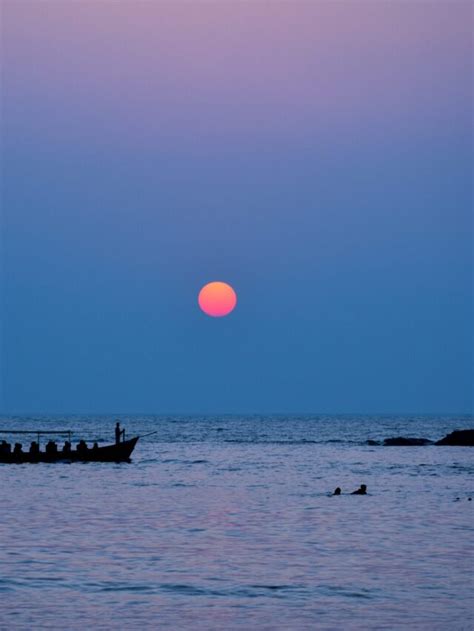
x: 39, y: 433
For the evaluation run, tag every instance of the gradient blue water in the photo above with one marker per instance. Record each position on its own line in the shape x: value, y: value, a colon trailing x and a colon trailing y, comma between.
x: 226, y: 523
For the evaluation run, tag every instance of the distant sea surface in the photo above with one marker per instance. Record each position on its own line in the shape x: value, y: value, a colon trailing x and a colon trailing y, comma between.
x: 223, y: 523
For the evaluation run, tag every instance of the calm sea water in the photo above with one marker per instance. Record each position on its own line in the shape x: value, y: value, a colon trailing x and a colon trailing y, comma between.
x: 226, y: 523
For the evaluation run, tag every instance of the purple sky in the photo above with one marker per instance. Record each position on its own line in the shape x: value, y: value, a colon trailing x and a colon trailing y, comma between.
x: 315, y: 155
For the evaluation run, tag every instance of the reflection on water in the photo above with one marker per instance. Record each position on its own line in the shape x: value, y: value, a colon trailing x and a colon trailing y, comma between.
x: 202, y: 532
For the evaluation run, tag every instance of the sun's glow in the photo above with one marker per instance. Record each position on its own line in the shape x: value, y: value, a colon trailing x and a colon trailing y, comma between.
x: 217, y: 299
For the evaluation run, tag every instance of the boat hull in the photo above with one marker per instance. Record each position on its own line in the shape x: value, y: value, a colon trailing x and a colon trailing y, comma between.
x: 107, y: 453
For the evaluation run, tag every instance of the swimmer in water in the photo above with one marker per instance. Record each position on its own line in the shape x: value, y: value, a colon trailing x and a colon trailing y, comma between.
x: 361, y: 491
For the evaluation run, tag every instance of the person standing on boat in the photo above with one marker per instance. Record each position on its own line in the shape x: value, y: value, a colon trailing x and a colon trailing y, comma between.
x: 119, y: 433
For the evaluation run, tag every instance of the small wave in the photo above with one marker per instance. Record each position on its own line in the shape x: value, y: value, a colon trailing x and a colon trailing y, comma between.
x: 243, y: 591
x: 272, y: 587
x: 190, y: 590
x: 462, y: 468
x: 121, y: 587
x: 349, y: 593
x: 178, y: 461
x: 301, y: 441
x: 296, y: 441
x: 7, y: 585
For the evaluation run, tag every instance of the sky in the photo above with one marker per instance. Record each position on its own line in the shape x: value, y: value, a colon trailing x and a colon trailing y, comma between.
x: 315, y: 155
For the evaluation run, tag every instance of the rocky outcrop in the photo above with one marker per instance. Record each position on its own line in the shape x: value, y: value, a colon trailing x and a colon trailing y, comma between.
x: 401, y: 441
x: 461, y: 438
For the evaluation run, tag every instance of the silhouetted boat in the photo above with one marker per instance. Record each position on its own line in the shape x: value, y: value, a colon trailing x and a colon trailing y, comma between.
x: 120, y: 452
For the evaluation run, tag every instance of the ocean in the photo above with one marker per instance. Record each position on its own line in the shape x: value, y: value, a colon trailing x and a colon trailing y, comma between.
x: 228, y: 522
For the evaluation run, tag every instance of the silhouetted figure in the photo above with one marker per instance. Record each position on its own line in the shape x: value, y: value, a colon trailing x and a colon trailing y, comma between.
x: 51, y: 448
x: 361, y: 491
x: 82, y: 447
x: 95, y: 446
x: 119, y: 433
x: 5, y: 448
x: 18, y: 449
x: 67, y: 447
x: 34, y: 448
x: 337, y: 491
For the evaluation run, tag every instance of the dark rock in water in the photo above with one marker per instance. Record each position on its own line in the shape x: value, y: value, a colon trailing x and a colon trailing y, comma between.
x: 461, y: 437
x: 401, y: 441
x: 373, y: 443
